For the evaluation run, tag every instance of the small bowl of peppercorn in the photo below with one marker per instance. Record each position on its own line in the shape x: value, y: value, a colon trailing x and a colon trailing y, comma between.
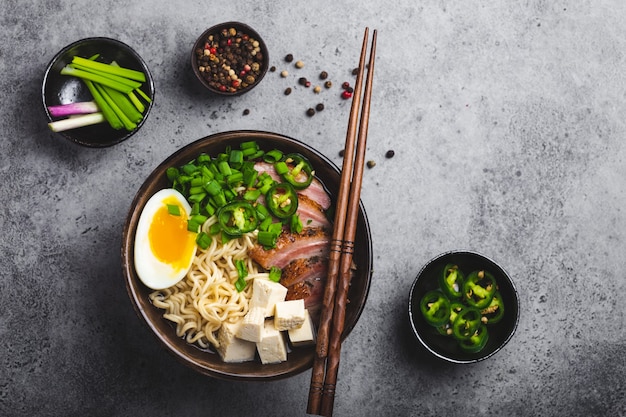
x: 463, y: 307
x: 230, y: 59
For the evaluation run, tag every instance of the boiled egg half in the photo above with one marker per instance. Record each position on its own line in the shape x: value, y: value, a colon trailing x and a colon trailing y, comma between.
x: 164, y: 248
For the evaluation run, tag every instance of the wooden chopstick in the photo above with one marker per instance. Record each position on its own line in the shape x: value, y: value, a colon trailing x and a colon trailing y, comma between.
x: 326, y: 362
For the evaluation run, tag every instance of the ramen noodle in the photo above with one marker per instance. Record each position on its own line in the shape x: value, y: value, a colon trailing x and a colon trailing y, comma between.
x: 207, y: 297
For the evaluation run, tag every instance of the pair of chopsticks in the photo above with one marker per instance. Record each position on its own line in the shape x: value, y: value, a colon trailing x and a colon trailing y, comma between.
x: 327, y: 352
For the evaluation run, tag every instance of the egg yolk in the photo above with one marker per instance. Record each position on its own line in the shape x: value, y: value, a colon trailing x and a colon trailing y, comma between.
x: 170, y: 241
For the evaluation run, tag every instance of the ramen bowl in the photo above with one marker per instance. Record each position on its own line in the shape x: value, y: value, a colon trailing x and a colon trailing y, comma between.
x: 60, y: 89
x: 445, y: 346
x: 206, y: 361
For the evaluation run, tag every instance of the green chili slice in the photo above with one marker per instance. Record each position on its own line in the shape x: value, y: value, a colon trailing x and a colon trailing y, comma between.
x: 466, y: 322
x: 237, y: 218
x: 281, y: 200
x: 477, y: 341
x: 435, y: 308
x: 300, y: 171
x: 494, y: 312
x: 451, y: 281
x: 479, y: 288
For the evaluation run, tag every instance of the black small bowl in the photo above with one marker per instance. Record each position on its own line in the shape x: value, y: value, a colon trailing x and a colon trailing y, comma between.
x: 62, y: 89
x: 446, y: 347
x: 216, y: 31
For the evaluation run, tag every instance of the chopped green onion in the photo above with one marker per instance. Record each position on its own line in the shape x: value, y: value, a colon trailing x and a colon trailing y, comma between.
x: 242, y: 273
x: 275, y: 273
x: 173, y: 209
x: 267, y: 239
x: 203, y: 240
x: 281, y: 168
x: 296, y: 224
x: 273, y: 156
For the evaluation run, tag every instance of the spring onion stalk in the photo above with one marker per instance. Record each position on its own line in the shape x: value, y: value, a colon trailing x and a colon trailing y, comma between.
x: 126, y: 81
x: 128, y: 124
x: 138, y: 104
x: 76, y: 121
x: 97, y: 78
x: 143, y: 95
x: 84, y: 107
x: 124, y: 103
x: 111, y: 69
x: 106, y: 110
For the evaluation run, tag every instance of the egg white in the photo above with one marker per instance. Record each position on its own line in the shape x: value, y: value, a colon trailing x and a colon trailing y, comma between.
x: 153, y: 272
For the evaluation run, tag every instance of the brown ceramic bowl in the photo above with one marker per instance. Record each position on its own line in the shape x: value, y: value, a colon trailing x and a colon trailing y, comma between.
x: 62, y: 89
x: 201, y: 64
x: 445, y: 347
x: 208, y: 362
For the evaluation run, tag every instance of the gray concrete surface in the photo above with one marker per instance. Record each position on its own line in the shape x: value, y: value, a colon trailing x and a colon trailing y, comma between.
x: 507, y: 122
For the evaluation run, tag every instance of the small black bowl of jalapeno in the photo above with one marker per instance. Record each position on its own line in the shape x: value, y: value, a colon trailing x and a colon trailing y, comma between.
x: 463, y: 307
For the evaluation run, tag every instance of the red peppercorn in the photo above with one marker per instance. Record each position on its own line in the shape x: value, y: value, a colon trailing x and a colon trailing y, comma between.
x: 345, y: 85
x: 213, y: 50
x: 346, y: 94
x: 235, y: 83
x: 222, y: 87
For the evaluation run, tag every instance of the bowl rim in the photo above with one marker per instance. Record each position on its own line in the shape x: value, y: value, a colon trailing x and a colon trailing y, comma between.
x: 248, y: 29
x: 411, y: 313
x: 149, y: 81
x: 127, y: 263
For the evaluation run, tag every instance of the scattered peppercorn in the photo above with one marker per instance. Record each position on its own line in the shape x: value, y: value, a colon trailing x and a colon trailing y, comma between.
x: 246, y: 112
x: 323, y: 75
x: 317, y: 89
x: 328, y: 84
x: 272, y: 68
x: 345, y: 85
x: 342, y: 152
x: 319, y: 107
x: 371, y: 164
x: 284, y: 74
x: 288, y: 91
x: 355, y: 71
x: 302, y: 80
x: 307, y: 84
x: 299, y: 64
x: 289, y: 58
x: 310, y: 112
x: 390, y: 153
x: 346, y: 94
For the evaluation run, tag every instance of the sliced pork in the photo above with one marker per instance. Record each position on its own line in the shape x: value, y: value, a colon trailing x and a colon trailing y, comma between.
x: 315, y: 192
x: 313, y: 241
x: 305, y: 279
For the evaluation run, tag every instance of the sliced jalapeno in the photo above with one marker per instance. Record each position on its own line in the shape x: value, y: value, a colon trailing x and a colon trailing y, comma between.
x: 282, y: 200
x: 451, y: 281
x: 435, y: 308
x: 299, y: 171
x: 466, y: 322
x: 495, y: 310
x: 477, y: 341
x: 237, y: 218
x: 479, y: 288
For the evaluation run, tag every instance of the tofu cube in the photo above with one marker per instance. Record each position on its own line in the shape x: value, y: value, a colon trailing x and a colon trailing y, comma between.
x: 272, y: 347
x: 265, y: 294
x: 305, y: 334
x: 233, y: 349
x: 289, y: 314
x: 251, y: 327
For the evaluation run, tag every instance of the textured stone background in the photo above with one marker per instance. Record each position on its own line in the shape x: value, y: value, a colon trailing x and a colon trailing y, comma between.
x: 507, y: 120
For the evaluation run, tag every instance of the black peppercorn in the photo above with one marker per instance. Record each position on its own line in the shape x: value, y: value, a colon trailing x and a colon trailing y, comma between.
x: 246, y: 112
x: 319, y: 107
x: 310, y: 112
x: 289, y: 58
x: 302, y: 81
x: 323, y: 75
x: 371, y: 164
x: 288, y: 91
x: 390, y: 153
x: 328, y: 84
